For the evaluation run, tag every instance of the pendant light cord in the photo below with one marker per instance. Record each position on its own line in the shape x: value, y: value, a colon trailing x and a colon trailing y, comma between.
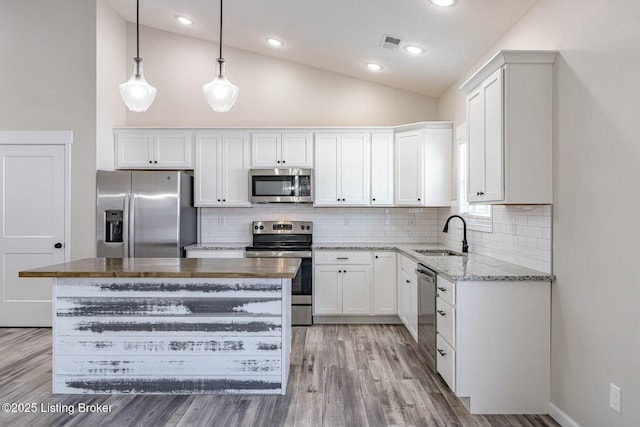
x: 220, y: 57
x: 138, y: 29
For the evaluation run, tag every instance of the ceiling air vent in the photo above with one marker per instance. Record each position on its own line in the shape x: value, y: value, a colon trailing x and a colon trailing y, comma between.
x: 390, y: 42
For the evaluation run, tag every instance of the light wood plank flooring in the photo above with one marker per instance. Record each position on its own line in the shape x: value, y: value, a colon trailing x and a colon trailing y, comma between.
x: 341, y: 375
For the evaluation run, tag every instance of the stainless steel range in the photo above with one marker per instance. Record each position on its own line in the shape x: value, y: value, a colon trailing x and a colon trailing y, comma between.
x: 288, y: 239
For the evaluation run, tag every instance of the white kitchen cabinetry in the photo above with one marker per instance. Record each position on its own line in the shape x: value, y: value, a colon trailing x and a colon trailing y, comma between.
x: 493, y: 344
x: 407, y: 294
x: 280, y: 150
x: 222, y: 169
x: 423, y: 165
x: 215, y: 253
x: 342, y: 283
x: 509, y: 128
x: 382, y: 169
x: 153, y: 149
x: 342, y: 169
x: 384, y: 283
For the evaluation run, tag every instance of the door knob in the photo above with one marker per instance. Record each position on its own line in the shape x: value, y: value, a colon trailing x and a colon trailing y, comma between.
x: 58, y: 245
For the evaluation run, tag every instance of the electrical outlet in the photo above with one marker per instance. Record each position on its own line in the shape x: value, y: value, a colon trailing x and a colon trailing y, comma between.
x: 614, y: 397
x: 222, y: 220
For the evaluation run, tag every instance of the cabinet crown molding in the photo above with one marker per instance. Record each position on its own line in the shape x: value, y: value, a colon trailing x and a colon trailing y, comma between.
x: 508, y: 57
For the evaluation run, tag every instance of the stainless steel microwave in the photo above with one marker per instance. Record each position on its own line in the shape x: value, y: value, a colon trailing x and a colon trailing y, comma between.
x: 281, y: 185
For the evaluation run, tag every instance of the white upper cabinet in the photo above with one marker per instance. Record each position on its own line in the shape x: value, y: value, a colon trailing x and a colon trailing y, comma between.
x: 222, y: 169
x: 153, y: 149
x: 423, y: 165
x: 342, y: 171
x: 282, y: 150
x: 509, y: 126
x: 382, y: 169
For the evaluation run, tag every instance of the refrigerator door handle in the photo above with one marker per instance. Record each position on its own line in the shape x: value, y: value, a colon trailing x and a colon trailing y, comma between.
x: 132, y: 219
x: 125, y: 231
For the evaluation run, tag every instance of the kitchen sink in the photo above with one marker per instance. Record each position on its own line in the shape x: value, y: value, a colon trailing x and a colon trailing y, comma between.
x: 438, y: 252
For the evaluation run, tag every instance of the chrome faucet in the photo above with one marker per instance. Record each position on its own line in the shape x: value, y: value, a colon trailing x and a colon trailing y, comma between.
x: 465, y: 246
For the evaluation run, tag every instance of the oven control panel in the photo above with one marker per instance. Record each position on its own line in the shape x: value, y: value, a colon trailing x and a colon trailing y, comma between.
x: 282, y: 227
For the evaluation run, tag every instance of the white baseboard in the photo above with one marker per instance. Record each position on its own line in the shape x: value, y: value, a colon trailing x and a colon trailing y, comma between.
x: 563, y: 419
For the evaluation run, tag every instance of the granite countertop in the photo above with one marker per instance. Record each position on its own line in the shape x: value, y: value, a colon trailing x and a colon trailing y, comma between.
x: 217, y: 247
x: 470, y: 267
x: 171, y: 268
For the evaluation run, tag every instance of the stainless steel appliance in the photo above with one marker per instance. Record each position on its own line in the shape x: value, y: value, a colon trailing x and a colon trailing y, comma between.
x: 281, y: 185
x: 288, y: 239
x: 145, y: 214
x: 426, y: 315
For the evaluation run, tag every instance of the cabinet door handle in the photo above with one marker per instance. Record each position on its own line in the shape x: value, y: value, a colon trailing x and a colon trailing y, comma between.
x: 346, y: 257
x: 58, y: 245
x: 278, y: 161
x: 376, y: 256
x: 442, y: 313
x: 150, y: 161
x: 480, y: 193
x: 155, y: 161
x: 339, y: 271
x: 344, y: 200
x: 338, y: 199
x: 441, y: 289
x: 442, y: 352
x: 374, y: 200
x: 218, y: 199
x: 284, y: 161
x: 408, y: 281
x: 418, y: 199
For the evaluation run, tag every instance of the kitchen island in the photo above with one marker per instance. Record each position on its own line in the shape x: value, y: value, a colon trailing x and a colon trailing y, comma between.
x: 171, y: 325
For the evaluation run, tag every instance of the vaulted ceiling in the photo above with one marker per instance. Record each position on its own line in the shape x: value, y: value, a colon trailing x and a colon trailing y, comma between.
x: 343, y: 35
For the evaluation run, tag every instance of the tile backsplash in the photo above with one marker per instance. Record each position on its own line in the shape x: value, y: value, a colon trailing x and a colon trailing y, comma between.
x: 331, y: 225
x: 521, y: 235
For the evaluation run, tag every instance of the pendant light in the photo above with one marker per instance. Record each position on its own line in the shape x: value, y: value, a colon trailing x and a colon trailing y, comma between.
x: 137, y: 93
x: 220, y: 93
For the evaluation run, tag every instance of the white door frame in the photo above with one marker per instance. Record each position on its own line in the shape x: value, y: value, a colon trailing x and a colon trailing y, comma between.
x: 58, y: 137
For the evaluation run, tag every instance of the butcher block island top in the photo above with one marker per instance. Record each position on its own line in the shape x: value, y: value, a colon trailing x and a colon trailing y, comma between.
x: 278, y: 268
x: 171, y: 325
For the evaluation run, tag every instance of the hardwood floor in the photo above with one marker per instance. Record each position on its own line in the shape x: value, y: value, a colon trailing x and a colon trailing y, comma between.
x: 341, y: 375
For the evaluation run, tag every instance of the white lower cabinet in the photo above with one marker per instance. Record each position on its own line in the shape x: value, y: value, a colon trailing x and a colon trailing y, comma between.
x: 342, y: 283
x: 408, y: 294
x: 355, y: 283
x: 384, y: 283
x: 492, y: 345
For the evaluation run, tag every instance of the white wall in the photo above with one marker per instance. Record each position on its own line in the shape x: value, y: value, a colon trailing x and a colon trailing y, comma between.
x: 273, y: 92
x: 330, y: 225
x: 48, y: 82
x: 111, y: 42
x: 595, y: 316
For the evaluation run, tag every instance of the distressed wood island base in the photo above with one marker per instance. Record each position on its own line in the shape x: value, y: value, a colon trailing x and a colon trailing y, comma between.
x: 209, y: 326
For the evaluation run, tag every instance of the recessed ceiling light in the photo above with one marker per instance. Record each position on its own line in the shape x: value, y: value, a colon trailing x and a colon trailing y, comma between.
x: 184, y: 20
x: 374, y: 67
x: 443, y: 3
x: 274, y: 42
x: 414, y: 50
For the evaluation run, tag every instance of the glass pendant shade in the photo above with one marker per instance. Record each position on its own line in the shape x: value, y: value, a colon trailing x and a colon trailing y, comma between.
x: 220, y: 93
x: 137, y: 94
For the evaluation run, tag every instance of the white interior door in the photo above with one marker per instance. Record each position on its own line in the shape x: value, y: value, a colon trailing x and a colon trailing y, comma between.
x: 32, y: 223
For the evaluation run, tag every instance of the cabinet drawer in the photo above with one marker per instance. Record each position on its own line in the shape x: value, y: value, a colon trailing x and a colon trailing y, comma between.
x: 446, y: 362
x: 200, y: 253
x: 342, y: 257
x: 446, y: 321
x: 446, y: 290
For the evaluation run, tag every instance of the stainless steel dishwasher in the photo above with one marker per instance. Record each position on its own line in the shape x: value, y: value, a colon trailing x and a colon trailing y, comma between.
x: 426, y: 315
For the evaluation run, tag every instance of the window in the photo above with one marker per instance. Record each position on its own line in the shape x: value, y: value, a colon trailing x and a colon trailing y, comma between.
x: 478, y: 217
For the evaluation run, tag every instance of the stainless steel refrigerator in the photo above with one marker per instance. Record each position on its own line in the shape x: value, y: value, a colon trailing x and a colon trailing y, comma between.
x: 146, y: 214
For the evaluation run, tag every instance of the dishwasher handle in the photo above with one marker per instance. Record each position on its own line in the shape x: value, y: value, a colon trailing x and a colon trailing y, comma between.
x: 426, y: 274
